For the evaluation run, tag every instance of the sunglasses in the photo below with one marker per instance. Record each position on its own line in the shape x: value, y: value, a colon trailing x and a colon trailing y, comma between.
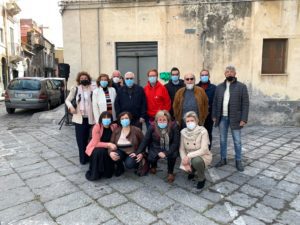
x: 187, y: 79
x: 129, y: 78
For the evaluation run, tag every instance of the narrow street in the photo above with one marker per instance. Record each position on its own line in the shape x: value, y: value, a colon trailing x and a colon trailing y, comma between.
x: 42, y: 182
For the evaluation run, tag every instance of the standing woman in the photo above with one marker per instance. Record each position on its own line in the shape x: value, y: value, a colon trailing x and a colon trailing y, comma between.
x: 162, y: 139
x: 104, y: 97
x: 83, y: 113
x: 100, y: 162
x: 127, y: 138
x: 194, y: 151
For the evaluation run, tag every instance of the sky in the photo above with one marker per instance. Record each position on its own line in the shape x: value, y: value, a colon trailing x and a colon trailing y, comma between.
x: 45, y: 13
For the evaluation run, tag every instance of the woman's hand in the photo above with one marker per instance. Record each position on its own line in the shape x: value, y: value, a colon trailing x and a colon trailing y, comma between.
x: 111, y: 146
x: 186, y: 161
x: 162, y: 155
x: 139, y: 157
x: 114, y: 156
x: 72, y: 110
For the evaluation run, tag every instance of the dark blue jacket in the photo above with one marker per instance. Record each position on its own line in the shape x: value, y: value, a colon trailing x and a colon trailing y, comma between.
x: 210, y: 92
x: 133, y: 102
x: 172, y: 89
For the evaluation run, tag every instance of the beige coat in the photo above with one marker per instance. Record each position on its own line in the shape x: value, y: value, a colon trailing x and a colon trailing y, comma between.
x: 195, y: 143
x: 77, y: 117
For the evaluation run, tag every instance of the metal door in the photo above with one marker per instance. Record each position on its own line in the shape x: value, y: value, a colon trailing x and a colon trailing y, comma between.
x: 137, y: 57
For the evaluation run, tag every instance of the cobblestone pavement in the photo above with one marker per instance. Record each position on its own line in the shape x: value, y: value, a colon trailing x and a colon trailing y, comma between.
x: 42, y: 182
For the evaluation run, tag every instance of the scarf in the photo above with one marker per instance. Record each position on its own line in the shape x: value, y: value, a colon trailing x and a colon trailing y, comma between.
x: 164, y: 138
x: 80, y: 99
x: 192, y: 134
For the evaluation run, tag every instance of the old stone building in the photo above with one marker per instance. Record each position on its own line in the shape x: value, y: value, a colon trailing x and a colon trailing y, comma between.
x: 261, y: 38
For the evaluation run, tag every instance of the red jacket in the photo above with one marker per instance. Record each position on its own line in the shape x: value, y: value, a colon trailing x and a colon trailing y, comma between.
x: 157, y: 98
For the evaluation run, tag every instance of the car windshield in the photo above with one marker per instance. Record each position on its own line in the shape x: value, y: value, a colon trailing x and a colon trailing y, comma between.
x: 25, y: 85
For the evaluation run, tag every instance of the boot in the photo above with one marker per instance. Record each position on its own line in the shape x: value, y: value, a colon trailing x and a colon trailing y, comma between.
x: 120, y: 169
x: 171, y: 178
x: 191, y: 176
x: 239, y: 165
x: 153, y: 170
x: 222, y: 162
x: 201, y: 184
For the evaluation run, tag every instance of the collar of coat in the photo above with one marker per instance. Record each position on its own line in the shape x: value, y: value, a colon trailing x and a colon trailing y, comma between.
x: 192, y: 134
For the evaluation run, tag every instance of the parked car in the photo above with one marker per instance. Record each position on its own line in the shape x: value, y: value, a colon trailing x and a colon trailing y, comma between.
x: 61, y: 83
x: 31, y: 93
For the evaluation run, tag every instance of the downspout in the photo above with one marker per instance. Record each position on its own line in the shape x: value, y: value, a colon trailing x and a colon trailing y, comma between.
x: 6, y: 50
x: 99, y: 45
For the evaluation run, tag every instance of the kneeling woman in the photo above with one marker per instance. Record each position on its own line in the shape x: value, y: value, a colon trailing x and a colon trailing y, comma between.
x: 101, y: 164
x: 127, y: 138
x: 162, y: 140
x: 194, y: 151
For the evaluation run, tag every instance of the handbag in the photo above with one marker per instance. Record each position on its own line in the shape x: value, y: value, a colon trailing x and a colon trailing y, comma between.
x: 73, y: 102
x: 143, y: 167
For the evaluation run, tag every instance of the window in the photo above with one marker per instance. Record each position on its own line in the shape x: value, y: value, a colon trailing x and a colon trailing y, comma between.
x: 1, y: 35
x: 274, y: 56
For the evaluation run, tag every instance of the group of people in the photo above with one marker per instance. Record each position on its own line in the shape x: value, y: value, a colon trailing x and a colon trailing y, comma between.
x: 179, y: 117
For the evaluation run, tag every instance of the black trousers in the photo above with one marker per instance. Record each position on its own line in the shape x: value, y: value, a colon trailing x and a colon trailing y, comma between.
x: 82, y: 132
x: 101, y: 165
x: 208, y: 124
x: 171, y: 162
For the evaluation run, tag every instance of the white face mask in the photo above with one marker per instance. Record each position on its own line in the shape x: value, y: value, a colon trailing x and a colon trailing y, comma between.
x: 116, y: 79
x: 189, y: 86
x: 191, y: 125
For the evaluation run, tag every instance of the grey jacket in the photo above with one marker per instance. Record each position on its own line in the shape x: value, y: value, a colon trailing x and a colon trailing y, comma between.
x: 238, y: 107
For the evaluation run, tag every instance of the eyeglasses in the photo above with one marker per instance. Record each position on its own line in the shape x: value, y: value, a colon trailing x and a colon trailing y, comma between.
x: 191, y: 78
x: 175, y: 74
x: 129, y: 78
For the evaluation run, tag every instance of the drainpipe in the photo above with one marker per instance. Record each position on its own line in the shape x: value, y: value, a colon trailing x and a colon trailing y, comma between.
x: 6, y: 47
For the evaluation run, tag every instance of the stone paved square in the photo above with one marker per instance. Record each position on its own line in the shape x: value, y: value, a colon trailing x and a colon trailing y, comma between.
x: 42, y: 182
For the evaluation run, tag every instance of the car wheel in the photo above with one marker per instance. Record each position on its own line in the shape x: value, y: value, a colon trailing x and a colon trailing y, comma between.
x: 10, y: 110
x: 48, y: 107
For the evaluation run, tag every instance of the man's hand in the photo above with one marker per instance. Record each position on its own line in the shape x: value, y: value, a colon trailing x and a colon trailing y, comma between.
x: 142, y: 120
x: 162, y: 155
x: 242, y: 123
x: 114, y: 156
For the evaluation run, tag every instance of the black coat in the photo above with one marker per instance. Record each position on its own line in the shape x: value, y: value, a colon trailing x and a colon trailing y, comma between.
x: 238, y: 106
x: 172, y: 89
x: 210, y: 92
x: 152, y: 141
x: 133, y: 102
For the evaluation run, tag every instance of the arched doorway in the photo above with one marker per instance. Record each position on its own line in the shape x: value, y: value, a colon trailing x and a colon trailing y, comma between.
x: 4, y: 72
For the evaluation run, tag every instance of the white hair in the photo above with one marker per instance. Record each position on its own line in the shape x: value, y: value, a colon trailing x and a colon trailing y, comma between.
x: 230, y: 67
x: 191, y: 114
x: 129, y: 73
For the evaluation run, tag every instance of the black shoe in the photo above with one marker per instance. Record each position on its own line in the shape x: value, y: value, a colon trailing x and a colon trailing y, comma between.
x: 120, y: 169
x: 239, y: 165
x: 191, y: 176
x: 201, y: 184
x: 222, y: 162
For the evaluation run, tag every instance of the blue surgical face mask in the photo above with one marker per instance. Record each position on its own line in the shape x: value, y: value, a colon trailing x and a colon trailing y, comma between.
x: 104, y: 83
x: 191, y: 125
x: 129, y: 82
x: 125, y: 122
x: 204, y: 79
x: 162, y: 125
x: 152, y: 80
x: 175, y: 78
x: 106, y: 121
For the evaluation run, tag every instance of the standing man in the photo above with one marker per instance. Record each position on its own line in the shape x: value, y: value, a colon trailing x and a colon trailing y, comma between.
x: 116, y: 80
x: 210, y: 92
x: 230, y: 108
x: 157, y: 96
x: 173, y: 86
x: 131, y: 98
x: 190, y: 98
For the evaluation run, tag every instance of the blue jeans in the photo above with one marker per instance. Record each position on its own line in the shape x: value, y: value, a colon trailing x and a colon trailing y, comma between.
x: 236, y: 135
x: 129, y: 162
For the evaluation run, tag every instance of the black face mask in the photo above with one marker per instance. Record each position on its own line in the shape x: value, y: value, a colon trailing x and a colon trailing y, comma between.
x: 85, y: 82
x: 230, y: 78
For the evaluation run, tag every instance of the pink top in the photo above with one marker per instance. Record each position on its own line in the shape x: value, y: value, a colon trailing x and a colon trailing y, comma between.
x: 96, y: 136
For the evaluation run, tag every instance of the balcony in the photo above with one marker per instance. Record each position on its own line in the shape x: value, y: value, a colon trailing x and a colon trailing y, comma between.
x: 12, y: 8
x: 14, y: 53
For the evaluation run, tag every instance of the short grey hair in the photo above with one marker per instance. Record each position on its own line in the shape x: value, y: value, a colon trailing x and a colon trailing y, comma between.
x: 129, y: 73
x: 189, y: 74
x: 230, y: 67
x: 191, y: 114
